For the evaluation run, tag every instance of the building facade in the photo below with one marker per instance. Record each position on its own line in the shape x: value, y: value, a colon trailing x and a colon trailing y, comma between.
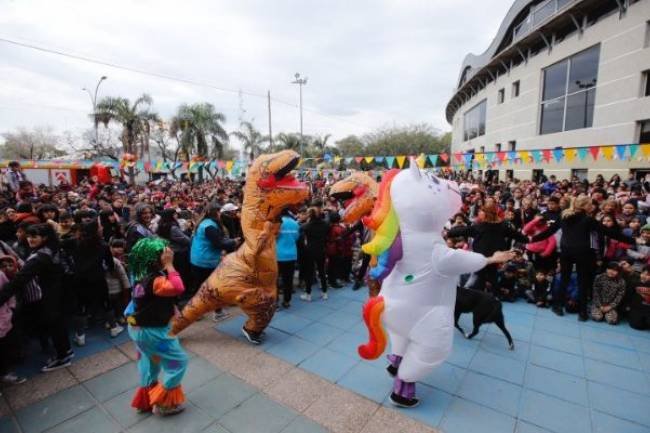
x: 559, y: 74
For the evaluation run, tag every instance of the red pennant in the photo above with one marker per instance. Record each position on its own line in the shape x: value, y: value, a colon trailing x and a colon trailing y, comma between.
x: 358, y: 159
x: 546, y: 155
x: 502, y: 156
x: 458, y: 156
x: 444, y: 157
x: 594, y: 152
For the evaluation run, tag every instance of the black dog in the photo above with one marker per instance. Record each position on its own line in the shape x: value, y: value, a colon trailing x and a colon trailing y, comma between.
x: 485, y: 308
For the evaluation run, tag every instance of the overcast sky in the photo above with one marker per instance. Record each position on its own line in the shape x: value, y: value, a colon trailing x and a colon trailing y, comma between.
x: 370, y: 63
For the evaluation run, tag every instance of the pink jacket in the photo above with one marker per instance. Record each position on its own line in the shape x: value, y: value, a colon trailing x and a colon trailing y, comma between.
x: 544, y: 248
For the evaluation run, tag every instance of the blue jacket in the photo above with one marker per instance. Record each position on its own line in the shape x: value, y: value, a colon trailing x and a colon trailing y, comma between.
x: 286, y: 249
x: 203, y: 252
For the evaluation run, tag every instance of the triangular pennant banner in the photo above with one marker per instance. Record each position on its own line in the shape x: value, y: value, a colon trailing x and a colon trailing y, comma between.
x: 358, y: 159
x: 369, y: 159
x: 525, y: 156
x: 582, y: 153
x: 620, y: 151
x: 229, y: 165
x: 633, y: 149
x: 645, y: 150
x: 400, y: 160
x: 547, y: 155
x: 502, y: 156
x: 468, y: 158
x: 489, y: 157
x: 421, y: 160
x: 433, y: 159
x: 444, y: 157
x: 608, y: 152
x: 379, y: 159
x: 349, y: 160
x: 458, y: 156
x: 570, y: 154
x: 389, y: 161
x: 594, y: 150
x: 558, y: 154
x: 537, y: 156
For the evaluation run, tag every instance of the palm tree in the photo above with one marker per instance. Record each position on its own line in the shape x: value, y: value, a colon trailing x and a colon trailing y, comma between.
x: 321, y: 143
x: 288, y: 141
x: 135, y: 119
x: 251, y: 139
x: 201, y: 131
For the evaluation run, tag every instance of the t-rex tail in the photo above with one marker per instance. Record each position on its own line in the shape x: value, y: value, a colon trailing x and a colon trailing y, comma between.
x: 203, y: 301
x: 376, y: 345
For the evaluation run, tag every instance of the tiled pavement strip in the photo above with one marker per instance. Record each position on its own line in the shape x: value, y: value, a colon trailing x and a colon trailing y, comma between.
x: 562, y: 377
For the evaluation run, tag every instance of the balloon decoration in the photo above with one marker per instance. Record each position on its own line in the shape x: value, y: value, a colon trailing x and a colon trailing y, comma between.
x: 415, y: 307
x: 247, y: 277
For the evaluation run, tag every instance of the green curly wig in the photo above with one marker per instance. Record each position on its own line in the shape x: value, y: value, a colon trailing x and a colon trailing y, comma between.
x: 144, y: 254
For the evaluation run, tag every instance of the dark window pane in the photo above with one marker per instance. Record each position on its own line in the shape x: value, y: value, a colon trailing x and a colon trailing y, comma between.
x: 474, y: 121
x: 580, y: 110
x: 647, y: 83
x: 584, y: 69
x: 644, y: 136
x: 552, y: 113
x: 562, y: 3
x: 481, y: 117
x: 544, y: 12
x: 555, y: 80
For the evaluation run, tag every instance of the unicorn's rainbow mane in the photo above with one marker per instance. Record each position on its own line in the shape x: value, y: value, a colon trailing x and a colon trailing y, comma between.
x: 385, y: 244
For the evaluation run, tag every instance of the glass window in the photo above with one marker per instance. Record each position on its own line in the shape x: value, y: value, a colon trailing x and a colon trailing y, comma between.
x: 584, y: 70
x: 569, y: 92
x: 644, y: 134
x: 498, y: 147
x: 544, y: 11
x: 555, y: 80
x: 512, y: 146
x: 552, y: 116
x: 646, y: 83
x: 515, y: 89
x: 580, y: 110
x: 474, y: 121
x: 501, y: 96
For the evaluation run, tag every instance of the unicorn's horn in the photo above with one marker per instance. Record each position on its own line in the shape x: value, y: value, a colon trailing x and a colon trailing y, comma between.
x: 413, y: 167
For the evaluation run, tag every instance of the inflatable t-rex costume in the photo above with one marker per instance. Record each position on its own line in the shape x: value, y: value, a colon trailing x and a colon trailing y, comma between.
x: 247, y: 277
x: 358, y: 191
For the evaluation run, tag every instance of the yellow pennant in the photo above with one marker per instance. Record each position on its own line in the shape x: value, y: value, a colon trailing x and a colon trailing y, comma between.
x: 229, y: 165
x: 400, y: 160
x: 421, y: 160
x: 608, y: 152
x: 570, y: 154
x: 645, y: 150
x: 369, y: 159
x: 524, y: 155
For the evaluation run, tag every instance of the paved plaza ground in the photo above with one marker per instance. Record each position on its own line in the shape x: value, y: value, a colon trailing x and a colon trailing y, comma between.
x: 563, y: 376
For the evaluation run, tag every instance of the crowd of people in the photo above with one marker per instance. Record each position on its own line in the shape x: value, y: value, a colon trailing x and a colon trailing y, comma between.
x: 581, y: 247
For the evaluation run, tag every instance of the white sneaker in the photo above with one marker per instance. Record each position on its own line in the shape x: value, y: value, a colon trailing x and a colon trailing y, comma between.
x: 306, y: 297
x: 115, y: 331
x: 80, y: 340
x: 324, y: 296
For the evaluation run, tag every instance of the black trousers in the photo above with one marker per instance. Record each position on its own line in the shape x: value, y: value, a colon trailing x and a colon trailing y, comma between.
x: 199, y: 275
x: 315, y: 263
x: 286, y: 269
x: 365, y: 262
x: 585, y: 264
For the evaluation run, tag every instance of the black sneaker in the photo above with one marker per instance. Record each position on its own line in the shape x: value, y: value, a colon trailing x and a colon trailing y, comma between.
x: 400, y: 401
x: 286, y: 305
x: 252, y: 337
x: 583, y: 317
x: 56, y: 364
x: 558, y: 310
x: 357, y: 285
x: 392, y: 370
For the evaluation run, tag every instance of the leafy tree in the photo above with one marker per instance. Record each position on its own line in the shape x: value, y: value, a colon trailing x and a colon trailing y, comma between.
x: 201, y: 131
x: 289, y: 141
x: 407, y: 140
x: 351, y: 146
x: 37, y: 143
x: 251, y: 139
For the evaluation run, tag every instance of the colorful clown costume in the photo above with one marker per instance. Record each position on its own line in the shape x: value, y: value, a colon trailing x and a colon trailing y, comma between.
x: 148, y: 316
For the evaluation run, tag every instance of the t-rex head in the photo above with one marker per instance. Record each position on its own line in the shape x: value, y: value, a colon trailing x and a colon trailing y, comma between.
x: 270, y: 187
x: 358, y: 191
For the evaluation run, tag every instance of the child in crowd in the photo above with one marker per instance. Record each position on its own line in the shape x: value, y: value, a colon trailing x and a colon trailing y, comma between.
x: 117, y: 281
x: 506, y: 284
x: 157, y: 284
x: 541, y: 290
x: 641, y: 254
x: 639, y: 314
x: 9, y: 338
x: 609, y: 289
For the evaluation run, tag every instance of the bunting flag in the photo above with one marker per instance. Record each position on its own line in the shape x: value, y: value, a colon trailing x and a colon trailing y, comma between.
x: 645, y: 150
x: 633, y: 149
x: 358, y: 159
x: 337, y: 159
x: 389, y: 161
x: 229, y: 165
x: 221, y: 164
x: 348, y: 160
x: 594, y: 152
x: 421, y: 160
x: 379, y: 159
x: 468, y: 158
x: 502, y: 156
x: 608, y: 152
x: 558, y: 154
x: 524, y: 155
x: 458, y: 156
x: 489, y: 157
x: 547, y: 155
x: 570, y: 154
x: 620, y: 151
x: 444, y: 157
x: 582, y: 153
x: 369, y: 159
x: 400, y: 160
x: 433, y: 159
x: 537, y: 156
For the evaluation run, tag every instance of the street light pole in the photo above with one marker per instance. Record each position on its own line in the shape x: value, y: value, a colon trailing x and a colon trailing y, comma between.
x: 93, y: 100
x: 300, y: 82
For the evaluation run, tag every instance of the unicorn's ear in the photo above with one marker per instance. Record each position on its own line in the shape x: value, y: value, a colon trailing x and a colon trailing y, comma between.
x: 413, y: 168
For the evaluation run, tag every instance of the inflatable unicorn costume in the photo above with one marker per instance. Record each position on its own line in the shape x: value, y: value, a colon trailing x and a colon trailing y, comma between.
x: 420, y: 274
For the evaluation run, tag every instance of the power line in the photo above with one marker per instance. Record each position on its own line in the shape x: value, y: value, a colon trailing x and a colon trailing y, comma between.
x: 167, y: 77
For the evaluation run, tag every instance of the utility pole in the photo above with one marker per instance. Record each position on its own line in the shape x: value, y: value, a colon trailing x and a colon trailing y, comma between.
x: 268, y: 99
x: 300, y: 82
x: 93, y: 100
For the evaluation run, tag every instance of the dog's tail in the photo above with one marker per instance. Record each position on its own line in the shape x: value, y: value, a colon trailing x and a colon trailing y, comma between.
x: 372, y: 311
